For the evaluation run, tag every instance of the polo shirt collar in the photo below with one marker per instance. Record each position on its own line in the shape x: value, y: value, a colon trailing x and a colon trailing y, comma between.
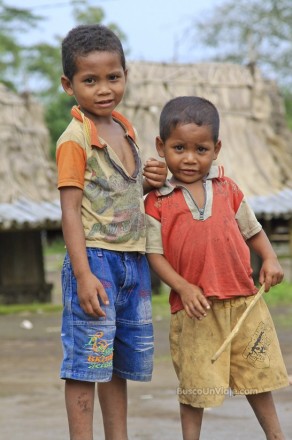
x: 216, y: 171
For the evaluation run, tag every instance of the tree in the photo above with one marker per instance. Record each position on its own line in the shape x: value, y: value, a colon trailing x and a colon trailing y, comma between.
x: 250, y: 32
x: 44, y: 60
x: 37, y: 68
x: 45, y: 64
x: 11, y: 50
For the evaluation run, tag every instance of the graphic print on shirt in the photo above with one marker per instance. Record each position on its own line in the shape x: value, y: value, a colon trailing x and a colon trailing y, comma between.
x: 111, y: 198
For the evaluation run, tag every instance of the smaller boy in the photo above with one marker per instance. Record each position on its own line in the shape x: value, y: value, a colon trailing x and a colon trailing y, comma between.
x: 199, y: 230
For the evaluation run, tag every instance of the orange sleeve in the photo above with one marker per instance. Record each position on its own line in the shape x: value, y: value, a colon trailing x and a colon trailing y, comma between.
x: 71, y: 163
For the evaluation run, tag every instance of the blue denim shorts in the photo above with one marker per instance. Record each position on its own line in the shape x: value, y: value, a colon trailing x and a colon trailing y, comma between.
x: 120, y: 343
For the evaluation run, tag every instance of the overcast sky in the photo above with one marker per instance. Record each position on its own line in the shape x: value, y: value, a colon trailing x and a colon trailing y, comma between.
x: 156, y: 29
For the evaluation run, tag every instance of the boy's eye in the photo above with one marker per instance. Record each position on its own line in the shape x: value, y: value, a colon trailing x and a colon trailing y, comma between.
x: 202, y: 149
x: 114, y: 77
x: 89, y: 81
x: 179, y: 147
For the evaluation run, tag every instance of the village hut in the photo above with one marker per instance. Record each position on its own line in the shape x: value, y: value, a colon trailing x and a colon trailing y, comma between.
x: 256, y: 153
x: 28, y: 199
x: 257, y: 145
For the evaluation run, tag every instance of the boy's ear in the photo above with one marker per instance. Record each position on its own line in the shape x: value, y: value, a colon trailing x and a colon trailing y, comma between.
x: 67, y: 85
x: 160, y: 146
x: 217, y: 149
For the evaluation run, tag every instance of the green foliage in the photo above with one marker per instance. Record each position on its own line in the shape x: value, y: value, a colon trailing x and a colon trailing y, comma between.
x: 288, y: 106
x: 43, y: 63
x: 57, y: 115
x: 250, y: 32
x: 10, y: 17
x: 13, y: 309
x: 56, y: 247
x: 12, y: 52
x: 10, y: 58
x: 37, y: 68
x: 88, y: 14
x: 279, y: 295
x: 160, y: 305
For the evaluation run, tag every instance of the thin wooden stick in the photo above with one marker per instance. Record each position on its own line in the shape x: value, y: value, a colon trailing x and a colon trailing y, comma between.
x: 238, y: 325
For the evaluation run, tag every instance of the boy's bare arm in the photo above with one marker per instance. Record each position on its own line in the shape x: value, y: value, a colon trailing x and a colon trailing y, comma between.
x: 88, y: 286
x: 271, y: 272
x: 193, y: 299
x: 155, y: 173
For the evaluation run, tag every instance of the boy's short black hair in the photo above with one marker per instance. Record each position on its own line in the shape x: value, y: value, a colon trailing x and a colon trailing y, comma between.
x: 188, y: 110
x: 82, y: 40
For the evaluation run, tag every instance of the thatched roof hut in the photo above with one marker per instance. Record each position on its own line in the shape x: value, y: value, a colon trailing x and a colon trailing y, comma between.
x: 257, y: 149
x: 28, y: 198
x: 257, y: 145
x: 256, y: 153
x: 25, y: 168
x: 27, y: 175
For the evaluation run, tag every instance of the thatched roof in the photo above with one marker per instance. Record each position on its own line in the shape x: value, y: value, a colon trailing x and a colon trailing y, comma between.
x: 25, y: 168
x: 27, y: 175
x: 256, y: 151
x: 257, y: 146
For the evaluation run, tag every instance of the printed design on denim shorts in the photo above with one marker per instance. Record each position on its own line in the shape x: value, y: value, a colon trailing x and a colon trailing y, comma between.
x: 102, y: 356
x: 106, y: 284
x: 145, y: 293
x: 256, y: 352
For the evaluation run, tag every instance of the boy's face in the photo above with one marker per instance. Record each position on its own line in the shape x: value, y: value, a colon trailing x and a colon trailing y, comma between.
x: 189, y: 152
x: 98, y: 84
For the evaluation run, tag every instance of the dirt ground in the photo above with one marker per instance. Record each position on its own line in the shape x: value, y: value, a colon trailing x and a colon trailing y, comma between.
x: 31, y: 394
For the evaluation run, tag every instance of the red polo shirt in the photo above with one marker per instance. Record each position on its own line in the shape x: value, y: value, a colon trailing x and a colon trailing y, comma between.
x: 208, y: 250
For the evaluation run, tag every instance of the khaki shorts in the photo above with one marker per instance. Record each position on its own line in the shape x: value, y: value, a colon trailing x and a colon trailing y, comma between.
x: 251, y: 364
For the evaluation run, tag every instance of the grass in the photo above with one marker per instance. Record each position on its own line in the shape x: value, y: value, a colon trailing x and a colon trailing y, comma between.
x: 19, y: 309
x: 160, y: 304
x: 281, y: 320
x: 280, y: 295
x: 160, y: 307
x: 57, y: 247
x: 279, y: 300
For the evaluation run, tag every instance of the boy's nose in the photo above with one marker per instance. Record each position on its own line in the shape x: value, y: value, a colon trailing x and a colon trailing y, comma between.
x: 190, y: 158
x: 103, y: 88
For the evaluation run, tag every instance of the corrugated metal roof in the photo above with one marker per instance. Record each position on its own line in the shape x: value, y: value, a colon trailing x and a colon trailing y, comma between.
x: 273, y: 205
x: 27, y: 214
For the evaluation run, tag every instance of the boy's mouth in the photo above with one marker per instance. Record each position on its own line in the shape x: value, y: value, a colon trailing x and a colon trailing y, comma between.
x: 105, y: 102
x: 189, y: 171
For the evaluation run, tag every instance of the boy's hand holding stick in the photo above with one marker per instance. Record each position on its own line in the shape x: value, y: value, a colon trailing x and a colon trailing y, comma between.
x: 238, y: 325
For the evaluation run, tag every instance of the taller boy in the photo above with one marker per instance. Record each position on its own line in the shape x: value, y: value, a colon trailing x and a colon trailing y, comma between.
x: 107, y: 332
